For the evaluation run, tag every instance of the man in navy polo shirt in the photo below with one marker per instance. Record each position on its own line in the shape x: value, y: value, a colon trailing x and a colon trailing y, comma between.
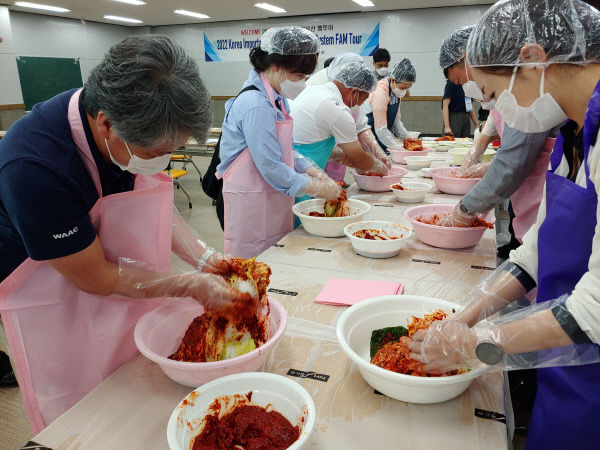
x: 143, y: 101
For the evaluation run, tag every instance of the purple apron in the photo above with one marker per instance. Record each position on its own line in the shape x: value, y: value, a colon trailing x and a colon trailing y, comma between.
x: 567, y: 404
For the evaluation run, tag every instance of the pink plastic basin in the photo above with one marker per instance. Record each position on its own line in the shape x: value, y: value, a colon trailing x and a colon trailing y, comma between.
x: 399, y: 155
x: 444, y: 237
x: 158, y: 333
x: 379, y: 184
x: 449, y: 184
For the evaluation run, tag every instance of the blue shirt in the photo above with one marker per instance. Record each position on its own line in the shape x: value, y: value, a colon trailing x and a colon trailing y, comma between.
x: 251, y: 123
x: 456, y: 94
x: 46, y: 192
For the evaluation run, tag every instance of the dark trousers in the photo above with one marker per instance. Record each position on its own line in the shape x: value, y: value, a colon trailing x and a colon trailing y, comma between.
x: 460, y: 123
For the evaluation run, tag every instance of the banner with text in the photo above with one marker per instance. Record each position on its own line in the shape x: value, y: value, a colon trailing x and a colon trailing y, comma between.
x: 336, y: 36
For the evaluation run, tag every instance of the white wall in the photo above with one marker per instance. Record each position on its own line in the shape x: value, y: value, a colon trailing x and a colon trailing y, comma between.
x: 10, y: 89
x: 38, y: 35
x: 415, y: 34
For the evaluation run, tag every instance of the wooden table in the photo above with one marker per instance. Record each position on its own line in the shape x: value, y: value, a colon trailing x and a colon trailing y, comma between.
x: 130, y: 409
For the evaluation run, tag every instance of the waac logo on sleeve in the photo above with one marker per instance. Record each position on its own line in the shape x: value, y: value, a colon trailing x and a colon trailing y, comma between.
x: 66, y: 234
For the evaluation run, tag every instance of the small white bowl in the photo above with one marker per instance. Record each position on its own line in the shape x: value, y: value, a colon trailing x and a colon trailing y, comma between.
x: 413, y: 192
x: 414, y: 134
x: 354, y: 329
x: 329, y: 226
x: 378, y: 249
x: 283, y: 395
x: 417, y: 162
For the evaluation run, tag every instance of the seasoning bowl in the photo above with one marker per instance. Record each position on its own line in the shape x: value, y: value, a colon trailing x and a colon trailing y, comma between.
x: 273, y: 392
x: 379, y: 184
x: 158, y: 333
x: 354, y: 328
x: 444, y: 237
x: 413, y: 192
x: 445, y: 182
x: 328, y: 226
x: 458, y: 154
x: 399, y: 155
x: 376, y: 248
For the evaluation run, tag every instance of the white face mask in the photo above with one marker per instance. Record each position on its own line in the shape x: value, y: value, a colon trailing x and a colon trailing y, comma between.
x: 542, y: 115
x: 354, y: 108
x: 471, y: 89
x: 382, y: 71
x: 141, y: 166
x: 290, y: 89
x: 399, y: 93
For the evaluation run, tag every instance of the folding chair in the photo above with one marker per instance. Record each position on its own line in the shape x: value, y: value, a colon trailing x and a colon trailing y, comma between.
x: 185, y: 160
x: 176, y: 174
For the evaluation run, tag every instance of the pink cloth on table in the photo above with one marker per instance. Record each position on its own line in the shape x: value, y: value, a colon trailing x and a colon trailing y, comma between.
x: 347, y: 292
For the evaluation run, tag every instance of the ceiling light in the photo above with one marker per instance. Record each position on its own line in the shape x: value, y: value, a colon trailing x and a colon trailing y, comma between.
x: 132, y: 2
x: 123, y: 19
x: 364, y: 2
x: 270, y: 7
x: 44, y: 7
x: 191, y: 14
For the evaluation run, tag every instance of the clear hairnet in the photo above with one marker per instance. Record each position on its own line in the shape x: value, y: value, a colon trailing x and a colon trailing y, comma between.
x: 340, y: 60
x: 404, y: 72
x: 356, y: 75
x: 567, y: 30
x: 289, y: 41
x: 454, y: 46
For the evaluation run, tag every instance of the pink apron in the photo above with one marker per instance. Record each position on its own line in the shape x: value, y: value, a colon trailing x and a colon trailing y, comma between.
x: 256, y: 215
x: 65, y: 341
x: 335, y: 171
x: 526, y: 200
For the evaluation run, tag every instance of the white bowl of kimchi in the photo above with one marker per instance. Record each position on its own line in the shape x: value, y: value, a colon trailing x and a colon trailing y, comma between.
x: 377, y: 239
x: 354, y: 211
x: 159, y: 333
x: 354, y: 329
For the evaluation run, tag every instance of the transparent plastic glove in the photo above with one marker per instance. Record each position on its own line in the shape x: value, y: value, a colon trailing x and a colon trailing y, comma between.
x: 317, y: 173
x: 212, y: 291
x: 445, y: 345
x: 458, y: 218
x: 338, y: 156
x: 378, y: 167
x: 501, y: 289
x: 476, y: 170
x: 187, y: 244
x: 327, y: 189
x: 398, y: 129
x: 542, y: 335
x: 369, y: 144
x: 472, y: 157
x: 386, y: 137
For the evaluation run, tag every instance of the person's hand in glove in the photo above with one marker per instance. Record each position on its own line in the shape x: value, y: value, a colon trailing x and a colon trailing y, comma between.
x: 369, y: 144
x: 338, y: 156
x: 445, y: 345
x: 378, y: 168
x: 326, y: 189
x: 212, y: 291
x: 458, y: 218
x: 386, y: 137
x: 475, y: 171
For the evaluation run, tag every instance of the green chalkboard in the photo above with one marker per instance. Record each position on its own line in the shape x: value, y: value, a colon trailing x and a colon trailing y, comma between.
x: 43, y: 78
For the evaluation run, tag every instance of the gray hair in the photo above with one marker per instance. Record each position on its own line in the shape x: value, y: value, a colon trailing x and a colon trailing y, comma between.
x: 150, y: 91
